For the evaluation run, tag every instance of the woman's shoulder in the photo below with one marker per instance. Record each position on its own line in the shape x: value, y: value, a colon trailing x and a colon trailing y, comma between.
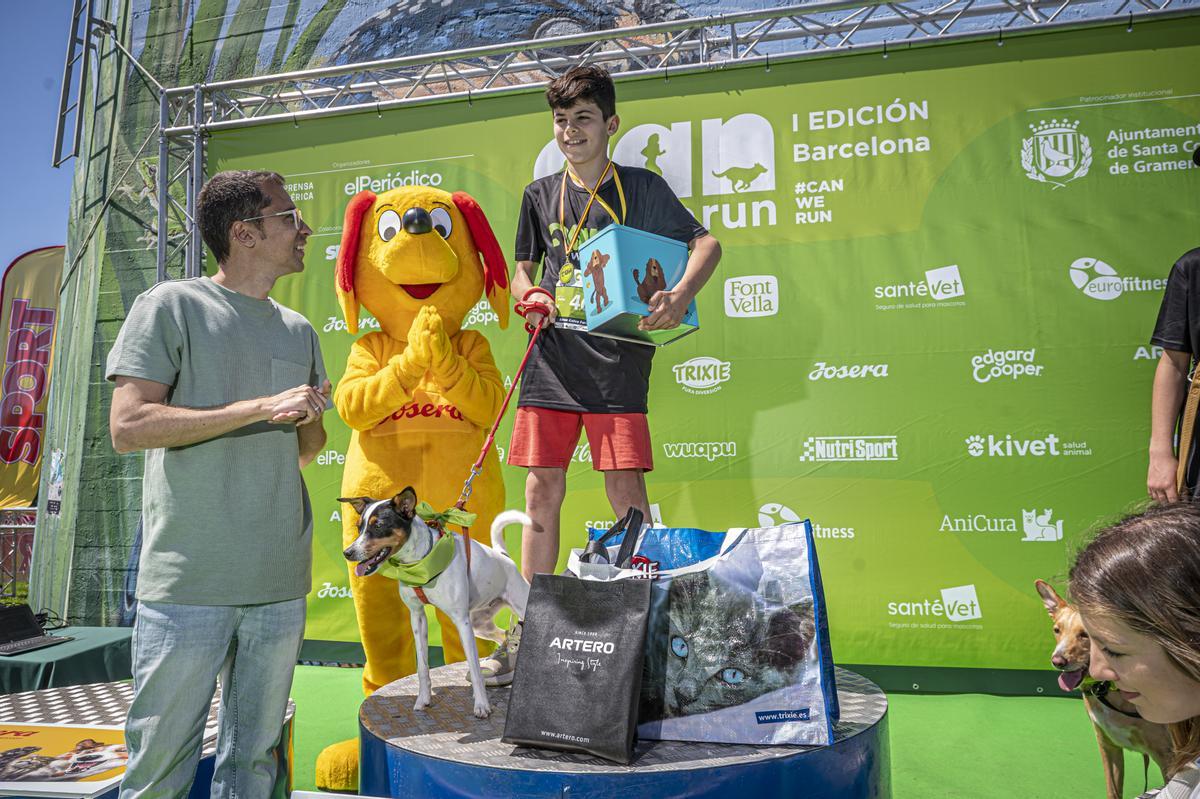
x: 1184, y: 785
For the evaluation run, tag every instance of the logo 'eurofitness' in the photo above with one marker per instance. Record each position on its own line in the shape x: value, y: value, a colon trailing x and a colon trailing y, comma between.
x: 737, y: 155
x: 773, y: 514
x: 1100, y: 281
x: 1056, y: 153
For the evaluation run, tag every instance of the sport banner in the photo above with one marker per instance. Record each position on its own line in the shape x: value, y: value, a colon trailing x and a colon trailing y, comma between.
x: 928, y: 331
x: 28, y: 309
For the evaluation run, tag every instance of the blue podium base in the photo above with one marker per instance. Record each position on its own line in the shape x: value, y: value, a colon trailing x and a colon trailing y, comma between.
x: 444, y: 751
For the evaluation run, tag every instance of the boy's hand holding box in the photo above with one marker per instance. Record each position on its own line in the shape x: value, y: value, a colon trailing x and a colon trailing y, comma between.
x: 622, y: 270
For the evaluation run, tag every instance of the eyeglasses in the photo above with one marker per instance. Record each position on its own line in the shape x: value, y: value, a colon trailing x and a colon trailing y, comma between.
x: 297, y: 219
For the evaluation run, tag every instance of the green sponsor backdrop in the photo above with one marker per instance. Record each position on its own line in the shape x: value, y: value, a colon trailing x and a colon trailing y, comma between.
x: 927, y: 333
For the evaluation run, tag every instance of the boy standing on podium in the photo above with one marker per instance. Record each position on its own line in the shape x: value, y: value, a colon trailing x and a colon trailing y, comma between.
x: 574, y: 380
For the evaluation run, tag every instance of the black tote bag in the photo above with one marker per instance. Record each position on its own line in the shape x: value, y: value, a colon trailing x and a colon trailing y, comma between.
x: 579, y: 674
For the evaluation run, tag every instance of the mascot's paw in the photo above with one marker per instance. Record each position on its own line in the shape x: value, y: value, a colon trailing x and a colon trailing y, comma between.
x: 337, y: 767
x: 441, y: 349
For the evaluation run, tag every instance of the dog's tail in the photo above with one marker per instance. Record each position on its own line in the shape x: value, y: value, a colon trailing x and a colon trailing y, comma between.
x: 504, y: 520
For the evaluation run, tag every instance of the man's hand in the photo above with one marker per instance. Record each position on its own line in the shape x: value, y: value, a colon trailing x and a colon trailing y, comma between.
x: 297, y: 405
x: 1160, y: 481
x: 667, y: 309
x: 324, y: 392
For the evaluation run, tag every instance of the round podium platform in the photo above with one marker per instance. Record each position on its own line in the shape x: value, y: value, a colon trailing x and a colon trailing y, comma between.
x: 444, y: 751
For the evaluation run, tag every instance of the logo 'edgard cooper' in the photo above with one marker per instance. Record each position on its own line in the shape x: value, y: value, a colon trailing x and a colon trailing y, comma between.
x: 701, y: 375
x: 850, y: 448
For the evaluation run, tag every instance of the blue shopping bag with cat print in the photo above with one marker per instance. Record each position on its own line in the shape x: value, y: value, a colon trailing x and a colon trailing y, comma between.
x: 660, y: 548
x: 737, y: 645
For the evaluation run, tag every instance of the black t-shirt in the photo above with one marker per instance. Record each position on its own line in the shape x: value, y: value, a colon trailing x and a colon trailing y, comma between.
x: 1178, y: 328
x: 570, y: 370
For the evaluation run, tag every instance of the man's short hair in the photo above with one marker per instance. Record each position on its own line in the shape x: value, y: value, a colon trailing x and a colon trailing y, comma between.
x: 591, y: 83
x: 229, y: 197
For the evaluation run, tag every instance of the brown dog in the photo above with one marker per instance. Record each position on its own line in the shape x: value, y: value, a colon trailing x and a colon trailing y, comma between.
x: 595, y: 270
x: 1117, y: 723
x: 654, y: 281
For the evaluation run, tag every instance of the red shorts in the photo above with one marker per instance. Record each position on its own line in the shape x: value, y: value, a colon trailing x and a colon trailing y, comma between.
x: 544, y: 437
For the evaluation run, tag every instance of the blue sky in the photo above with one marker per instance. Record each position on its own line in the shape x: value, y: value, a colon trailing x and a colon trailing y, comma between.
x: 35, y: 200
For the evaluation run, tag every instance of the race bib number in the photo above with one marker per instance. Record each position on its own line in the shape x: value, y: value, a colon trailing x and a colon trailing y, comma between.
x: 568, y: 296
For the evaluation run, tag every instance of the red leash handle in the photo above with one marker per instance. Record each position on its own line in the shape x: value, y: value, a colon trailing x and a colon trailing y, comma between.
x: 526, y: 305
x: 491, y: 437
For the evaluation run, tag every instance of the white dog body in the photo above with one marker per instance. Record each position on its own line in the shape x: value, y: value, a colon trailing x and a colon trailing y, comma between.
x: 471, y: 600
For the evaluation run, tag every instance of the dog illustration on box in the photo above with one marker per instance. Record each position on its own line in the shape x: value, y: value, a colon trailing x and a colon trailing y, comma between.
x: 595, y: 270
x: 654, y: 281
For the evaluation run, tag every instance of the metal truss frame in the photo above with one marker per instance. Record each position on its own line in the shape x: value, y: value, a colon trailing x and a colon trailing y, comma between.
x: 814, y: 30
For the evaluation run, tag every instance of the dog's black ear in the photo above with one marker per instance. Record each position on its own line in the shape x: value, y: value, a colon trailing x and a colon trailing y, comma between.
x: 358, y: 503
x: 405, y: 503
x: 1050, y: 597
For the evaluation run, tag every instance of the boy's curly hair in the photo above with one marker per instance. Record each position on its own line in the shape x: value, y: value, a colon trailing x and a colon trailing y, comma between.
x: 583, y: 83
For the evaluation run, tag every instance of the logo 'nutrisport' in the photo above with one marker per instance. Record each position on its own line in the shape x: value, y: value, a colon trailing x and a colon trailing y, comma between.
x: 834, y: 449
x: 1100, y: 281
x: 1057, y: 153
x: 1009, y: 446
x: 1035, y: 525
x: 1005, y: 365
x: 737, y: 157
x: 751, y: 295
x: 941, y: 288
x: 701, y: 375
x: 960, y: 603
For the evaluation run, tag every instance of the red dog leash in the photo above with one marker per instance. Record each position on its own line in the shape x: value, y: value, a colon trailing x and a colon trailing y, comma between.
x: 524, y: 307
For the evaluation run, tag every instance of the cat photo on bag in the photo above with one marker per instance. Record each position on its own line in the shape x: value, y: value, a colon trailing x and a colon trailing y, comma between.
x: 714, y: 645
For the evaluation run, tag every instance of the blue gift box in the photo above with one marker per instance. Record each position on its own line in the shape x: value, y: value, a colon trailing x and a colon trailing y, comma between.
x: 622, y: 268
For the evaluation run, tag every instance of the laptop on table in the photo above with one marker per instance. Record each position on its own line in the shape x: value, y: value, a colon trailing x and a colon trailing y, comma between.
x: 20, y: 631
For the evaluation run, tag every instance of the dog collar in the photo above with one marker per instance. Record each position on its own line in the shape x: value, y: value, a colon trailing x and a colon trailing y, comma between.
x: 425, y: 570
x: 1100, y: 690
x: 449, y: 516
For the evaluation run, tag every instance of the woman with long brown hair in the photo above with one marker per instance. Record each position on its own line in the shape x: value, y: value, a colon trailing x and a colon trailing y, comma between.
x: 1137, y: 587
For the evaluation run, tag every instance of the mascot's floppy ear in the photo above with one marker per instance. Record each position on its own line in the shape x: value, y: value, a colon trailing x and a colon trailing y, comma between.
x: 347, y: 258
x: 495, y: 268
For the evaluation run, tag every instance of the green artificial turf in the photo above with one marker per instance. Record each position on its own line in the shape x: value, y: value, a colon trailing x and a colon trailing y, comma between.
x: 966, y: 746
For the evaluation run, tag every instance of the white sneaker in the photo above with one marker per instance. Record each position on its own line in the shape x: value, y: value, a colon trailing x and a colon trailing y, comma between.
x: 498, y: 667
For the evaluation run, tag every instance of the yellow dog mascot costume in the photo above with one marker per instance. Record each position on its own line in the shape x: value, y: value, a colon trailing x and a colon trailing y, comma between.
x: 420, y: 395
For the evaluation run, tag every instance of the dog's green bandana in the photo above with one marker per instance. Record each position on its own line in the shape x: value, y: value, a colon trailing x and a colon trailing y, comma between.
x: 425, y: 570
x: 451, y: 516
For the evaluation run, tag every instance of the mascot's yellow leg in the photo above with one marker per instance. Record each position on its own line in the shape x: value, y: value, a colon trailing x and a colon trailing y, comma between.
x: 388, y: 643
x: 337, y: 767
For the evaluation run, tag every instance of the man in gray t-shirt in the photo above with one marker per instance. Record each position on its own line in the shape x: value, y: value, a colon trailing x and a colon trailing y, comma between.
x: 224, y: 389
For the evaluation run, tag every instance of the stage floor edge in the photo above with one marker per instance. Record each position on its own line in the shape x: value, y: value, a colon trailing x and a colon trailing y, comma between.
x: 446, y: 753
